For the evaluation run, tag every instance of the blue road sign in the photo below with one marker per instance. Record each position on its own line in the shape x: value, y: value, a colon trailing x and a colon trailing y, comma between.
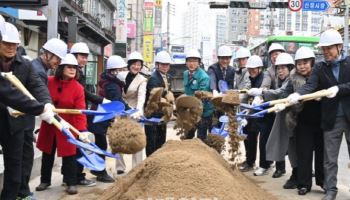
x: 315, y: 5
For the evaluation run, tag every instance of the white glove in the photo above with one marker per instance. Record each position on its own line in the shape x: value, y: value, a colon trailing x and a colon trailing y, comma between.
x: 136, y: 115
x: 333, y: 90
x: 86, y: 137
x: 280, y: 107
x: 257, y: 101
x: 48, y: 113
x: 244, y: 122
x: 215, y: 93
x: 294, y: 98
x: 106, y: 100
x: 255, y: 92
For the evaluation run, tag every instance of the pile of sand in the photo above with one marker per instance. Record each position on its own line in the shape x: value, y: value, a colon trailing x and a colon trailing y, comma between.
x: 185, y: 169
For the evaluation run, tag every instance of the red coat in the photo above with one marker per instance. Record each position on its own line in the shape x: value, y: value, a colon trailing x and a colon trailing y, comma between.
x: 64, y: 94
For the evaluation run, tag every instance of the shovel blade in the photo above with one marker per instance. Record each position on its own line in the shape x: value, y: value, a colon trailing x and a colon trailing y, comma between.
x: 91, y: 161
x: 223, y: 86
x: 114, y: 108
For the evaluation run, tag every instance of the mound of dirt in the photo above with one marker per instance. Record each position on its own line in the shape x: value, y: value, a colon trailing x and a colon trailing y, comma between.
x: 126, y: 136
x: 185, y: 169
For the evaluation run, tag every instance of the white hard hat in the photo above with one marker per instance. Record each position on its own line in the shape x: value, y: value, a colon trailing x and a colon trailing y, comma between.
x: 135, y: 56
x: 163, y: 57
x: 2, y: 25
x: 330, y: 37
x: 80, y: 47
x: 69, y: 60
x: 193, y: 53
x: 224, y: 51
x: 57, y: 47
x: 303, y: 53
x: 11, y: 34
x: 115, y: 62
x: 276, y: 47
x: 243, y: 53
x: 284, y: 59
x: 254, y: 62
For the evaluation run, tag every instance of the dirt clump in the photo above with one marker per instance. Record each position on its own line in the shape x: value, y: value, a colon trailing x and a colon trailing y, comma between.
x: 126, y: 136
x: 185, y: 170
x: 189, y: 111
x: 216, y: 142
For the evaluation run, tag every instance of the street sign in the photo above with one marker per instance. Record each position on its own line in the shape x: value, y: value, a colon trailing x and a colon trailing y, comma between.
x: 295, y: 5
x: 315, y: 5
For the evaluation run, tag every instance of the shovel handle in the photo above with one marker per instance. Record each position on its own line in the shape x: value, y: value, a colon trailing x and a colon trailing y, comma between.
x: 68, y: 111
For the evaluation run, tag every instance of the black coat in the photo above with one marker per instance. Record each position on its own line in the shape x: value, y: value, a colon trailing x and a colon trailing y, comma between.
x: 11, y: 96
x: 156, y: 80
x: 323, y: 78
x: 40, y: 69
x: 25, y: 72
x: 89, y: 96
x: 216, y: 74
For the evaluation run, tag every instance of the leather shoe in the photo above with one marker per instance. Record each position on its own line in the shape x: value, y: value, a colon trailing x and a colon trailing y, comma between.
x: 105, y: 178
x: 330, y: 196
x: 290, y: 184
x: 42, y: 186
x: 72, y: 189
x: 278, y: 173
x: 303, y: 191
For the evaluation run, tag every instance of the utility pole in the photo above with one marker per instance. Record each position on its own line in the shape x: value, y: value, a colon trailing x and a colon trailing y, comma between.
x: 168, y: 26
x: 52, y: 19
x: 346, y: 27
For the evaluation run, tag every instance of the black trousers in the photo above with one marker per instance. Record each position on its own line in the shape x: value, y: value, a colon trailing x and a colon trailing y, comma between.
x: 309, y: 139
x: 250, y: 144
x: 27, y: 163
x: 281, y: 165
x: 12, y: 147
x: 68, y: 167
x: 101, y: 141
x: 156, y: 137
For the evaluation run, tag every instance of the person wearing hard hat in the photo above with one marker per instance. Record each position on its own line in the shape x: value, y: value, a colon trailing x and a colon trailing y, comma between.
x: 110, y: 86
x: 280, y: 140
x: 81, y: 52
x: 196, y: 79
x: 16, y: 131
x: 256, y: 127
x: 331, y: 74
x: 305, y: 121
x: 156, y: 134
x: 221, y: 70
x: 50, y: 57
x: 50, y: 138
x: 241, y: 80
x: 134, y: 92
x: 270, y: 81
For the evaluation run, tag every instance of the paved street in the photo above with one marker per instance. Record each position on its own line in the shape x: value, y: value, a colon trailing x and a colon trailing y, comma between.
x: 270, y: 184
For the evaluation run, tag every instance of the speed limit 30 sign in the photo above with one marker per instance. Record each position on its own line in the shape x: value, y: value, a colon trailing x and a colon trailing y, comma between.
x: 295, y: 5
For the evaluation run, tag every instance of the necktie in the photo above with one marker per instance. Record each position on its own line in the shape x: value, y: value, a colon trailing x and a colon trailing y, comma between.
x: 190, y: 75
x: 165, y: 82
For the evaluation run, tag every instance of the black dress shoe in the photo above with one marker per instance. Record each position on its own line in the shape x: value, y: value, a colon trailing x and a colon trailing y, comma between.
x: 303, y: 191
x: 290, y: 184
x: 105, y: 178
x: 72, y: 189
x: 42, y: 186
x: 278, y: 173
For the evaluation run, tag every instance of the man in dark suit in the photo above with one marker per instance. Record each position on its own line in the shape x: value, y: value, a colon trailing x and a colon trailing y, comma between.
x: 332, y: 74
x: 156, y: 134
x: 14, y: 129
